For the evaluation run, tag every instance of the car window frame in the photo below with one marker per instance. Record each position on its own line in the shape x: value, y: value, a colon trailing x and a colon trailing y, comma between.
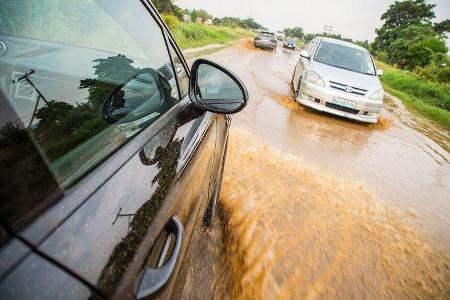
x: 168, y: 45
x: 85, y: 186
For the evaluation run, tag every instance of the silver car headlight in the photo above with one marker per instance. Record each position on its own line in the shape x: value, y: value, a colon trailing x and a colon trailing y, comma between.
x: 313, y: 77
x: 377, y: 96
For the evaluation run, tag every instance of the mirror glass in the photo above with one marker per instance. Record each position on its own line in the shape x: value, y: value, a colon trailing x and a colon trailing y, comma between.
x: 218, y: 90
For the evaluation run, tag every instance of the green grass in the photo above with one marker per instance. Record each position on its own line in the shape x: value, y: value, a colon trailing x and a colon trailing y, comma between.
x: 193, y: 35
x: 428, y: 98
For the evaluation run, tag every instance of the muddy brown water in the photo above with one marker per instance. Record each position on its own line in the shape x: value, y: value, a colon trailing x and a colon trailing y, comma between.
x: 314, y: 206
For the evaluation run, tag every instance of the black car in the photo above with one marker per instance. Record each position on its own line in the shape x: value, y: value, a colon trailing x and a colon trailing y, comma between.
x: 289, y: 44
x: 111, y: 149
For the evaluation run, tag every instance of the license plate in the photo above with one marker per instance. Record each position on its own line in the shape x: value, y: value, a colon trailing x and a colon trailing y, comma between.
x: 344, y: 103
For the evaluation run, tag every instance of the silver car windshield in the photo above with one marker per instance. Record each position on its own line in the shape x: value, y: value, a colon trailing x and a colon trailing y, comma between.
x: 345, y: 57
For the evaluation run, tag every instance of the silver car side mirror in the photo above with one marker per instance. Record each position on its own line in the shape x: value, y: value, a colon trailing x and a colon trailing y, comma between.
x: 379, y: 72
x: 305, y: 54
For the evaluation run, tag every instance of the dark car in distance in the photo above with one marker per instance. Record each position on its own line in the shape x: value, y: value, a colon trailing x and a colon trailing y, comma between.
x: 289, y: 44
x: 111, y: 150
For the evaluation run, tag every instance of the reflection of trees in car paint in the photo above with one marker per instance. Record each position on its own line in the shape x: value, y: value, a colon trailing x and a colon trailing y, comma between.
x: 164, y: 152
x: 24, y: 177
x: 166, y: 160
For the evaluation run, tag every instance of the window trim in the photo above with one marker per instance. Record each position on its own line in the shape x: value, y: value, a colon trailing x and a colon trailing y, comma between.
x: 172, y: 63
x: 174, y: 67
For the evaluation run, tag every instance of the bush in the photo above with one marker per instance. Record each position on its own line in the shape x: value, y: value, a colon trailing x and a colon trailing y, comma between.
x: 438, y: 70
x: 415, y: 47
x: 171, y: 21
x: 433, y: 93
x: 193, y: 35
x: 431, y: 99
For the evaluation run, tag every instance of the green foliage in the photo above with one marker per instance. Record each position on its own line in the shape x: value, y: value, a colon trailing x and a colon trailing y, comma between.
x: 442, y: 27
x: 201, y: 13
x: 404, y: 13
x: 408, y: 38
x: 171, y: 21
x: 167, y: 7
x: 431, y: 92
x: 237, y: 22
x: 364, y: 44
x: 296, y: 32
x: 438, y: 70
x: 428, y: 98
x: 415, y: 47
x: 193, y: 35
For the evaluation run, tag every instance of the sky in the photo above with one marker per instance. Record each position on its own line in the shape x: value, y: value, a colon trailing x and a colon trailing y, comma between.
x: 356, y: 19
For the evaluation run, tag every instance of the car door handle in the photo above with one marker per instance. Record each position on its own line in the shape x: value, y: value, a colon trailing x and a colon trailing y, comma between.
x: 152, y: 279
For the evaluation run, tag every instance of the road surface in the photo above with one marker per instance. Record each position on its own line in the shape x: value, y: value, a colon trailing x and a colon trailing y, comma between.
x: 315, y: 206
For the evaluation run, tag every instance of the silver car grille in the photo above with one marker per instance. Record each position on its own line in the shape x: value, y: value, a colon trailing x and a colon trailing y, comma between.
x: 348, y: 88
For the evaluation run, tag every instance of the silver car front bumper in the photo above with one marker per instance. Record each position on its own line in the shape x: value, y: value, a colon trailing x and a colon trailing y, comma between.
x: 320, y: 98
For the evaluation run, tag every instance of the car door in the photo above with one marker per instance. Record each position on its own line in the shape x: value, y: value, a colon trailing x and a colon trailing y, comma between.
x: 128, y: 155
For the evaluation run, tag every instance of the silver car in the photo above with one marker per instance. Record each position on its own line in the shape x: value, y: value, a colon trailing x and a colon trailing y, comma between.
x: 340, y: 78
x: 265, y: 39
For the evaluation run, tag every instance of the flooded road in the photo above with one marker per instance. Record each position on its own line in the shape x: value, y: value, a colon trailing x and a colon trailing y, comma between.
x: 315, y: 206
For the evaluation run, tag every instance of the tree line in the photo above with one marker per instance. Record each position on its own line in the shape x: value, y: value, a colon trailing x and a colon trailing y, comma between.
x: 167, y: 7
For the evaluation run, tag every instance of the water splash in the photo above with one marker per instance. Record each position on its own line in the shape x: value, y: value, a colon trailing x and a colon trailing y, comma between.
x: 293, y: 232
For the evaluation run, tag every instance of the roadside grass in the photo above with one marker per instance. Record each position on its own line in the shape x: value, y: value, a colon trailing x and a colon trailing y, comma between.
x: 428, y: 98
x: 203, y: 52
x: 193, y: 35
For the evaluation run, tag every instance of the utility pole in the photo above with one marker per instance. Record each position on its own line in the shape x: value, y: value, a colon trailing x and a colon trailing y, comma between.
x: 328, y: 29
x: 26, y: 77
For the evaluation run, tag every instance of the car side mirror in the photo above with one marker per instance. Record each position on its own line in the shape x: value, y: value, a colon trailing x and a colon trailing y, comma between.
x: 216, y: 89
x: 379, y: 72
x: 305, y: 54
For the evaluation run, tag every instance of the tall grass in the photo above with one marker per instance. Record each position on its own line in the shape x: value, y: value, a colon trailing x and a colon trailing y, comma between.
x: 431, y: 99
x: 193, y: 35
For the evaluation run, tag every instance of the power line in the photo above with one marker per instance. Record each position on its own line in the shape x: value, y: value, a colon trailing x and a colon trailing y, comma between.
x: 328, y: 29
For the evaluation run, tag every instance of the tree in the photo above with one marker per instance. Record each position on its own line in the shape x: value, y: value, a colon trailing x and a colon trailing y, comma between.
x: 201, y: 13
x: 415, y: 47
x: 252, y: 24
x: 167, y: 7
x: 401, y: 14
x: 408, y: 37
x: 236, y: 22
x: 295, y: 32
x: 442, y: 27
x: 404, y: 13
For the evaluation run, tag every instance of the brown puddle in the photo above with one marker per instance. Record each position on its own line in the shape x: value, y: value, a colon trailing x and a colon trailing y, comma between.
x: 293, y: 232
x: 286, y: 101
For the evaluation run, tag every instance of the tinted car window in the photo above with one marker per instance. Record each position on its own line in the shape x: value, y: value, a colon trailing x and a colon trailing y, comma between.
x: 83, y: 76
x: 345, y: 57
